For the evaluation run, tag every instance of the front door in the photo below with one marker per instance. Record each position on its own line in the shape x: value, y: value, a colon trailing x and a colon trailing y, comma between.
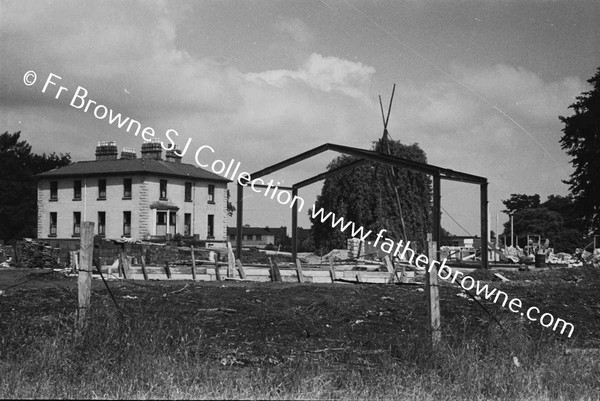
x: 161, y: 223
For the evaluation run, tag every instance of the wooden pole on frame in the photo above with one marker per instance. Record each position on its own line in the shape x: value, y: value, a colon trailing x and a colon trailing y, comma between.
x: 193, y: 263
x: 84, y: 279
x: 433, y: 295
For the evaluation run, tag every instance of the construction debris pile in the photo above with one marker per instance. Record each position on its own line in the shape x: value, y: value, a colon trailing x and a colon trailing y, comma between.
x: 36, y: 254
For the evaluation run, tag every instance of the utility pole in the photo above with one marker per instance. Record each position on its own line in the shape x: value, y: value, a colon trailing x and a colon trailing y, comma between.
x: 511, y: 230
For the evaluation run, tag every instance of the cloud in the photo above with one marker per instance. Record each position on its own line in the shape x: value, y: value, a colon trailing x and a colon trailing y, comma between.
x: 521, y: 91
x: 499, y: 122
x: 128, y: 55
x: 327, y: 74
x: 128, y: 58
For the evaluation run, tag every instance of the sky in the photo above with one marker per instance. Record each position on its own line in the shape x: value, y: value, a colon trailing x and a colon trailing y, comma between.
x: 480, y: 85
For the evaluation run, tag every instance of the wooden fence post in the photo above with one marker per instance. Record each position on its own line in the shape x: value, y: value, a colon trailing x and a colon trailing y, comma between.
x: 217, y: 272
x: 84, y: 279
x: 124, y: 264
x: 167, y: 269
x: 143, y: 261
x: 193, y: 263
x: 331, y: 270
x: 433, y: 295
x: 299, y: 271
x: 230, y: 260
x: 275, y: 273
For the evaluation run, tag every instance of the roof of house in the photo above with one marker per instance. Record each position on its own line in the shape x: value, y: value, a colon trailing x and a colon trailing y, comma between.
x: 131, y: 166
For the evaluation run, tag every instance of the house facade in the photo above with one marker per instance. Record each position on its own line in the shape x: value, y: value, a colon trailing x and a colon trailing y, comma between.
x: 139, y: 198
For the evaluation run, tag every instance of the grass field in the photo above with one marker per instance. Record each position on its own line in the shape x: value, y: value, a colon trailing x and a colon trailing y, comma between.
x: 229, y: 340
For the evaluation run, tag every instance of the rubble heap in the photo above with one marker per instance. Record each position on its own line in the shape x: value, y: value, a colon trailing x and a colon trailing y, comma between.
x: 36, y: 254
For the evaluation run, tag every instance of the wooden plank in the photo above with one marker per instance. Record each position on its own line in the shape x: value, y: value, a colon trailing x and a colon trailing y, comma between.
x: 501, y: 277
x: 217, y: 272
x: 299, y: 271
x: 389, y: 265
x: 193, y: 263
x: 331, y: 270
x: 167, y: 269
x: 143, y: 260
x: 240, y: 269
x: 84, y: 279
x: 433, y: 296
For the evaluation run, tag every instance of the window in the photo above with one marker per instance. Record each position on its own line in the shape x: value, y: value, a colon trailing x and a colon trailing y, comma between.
x: 211, y: 194
x: 187, y: 224
x: 101, y: 223
x: 76, y: 224
x: 126, y: 224
x: 211, y: 226
x: 53, y: 190
x: 102, y: 189
x: 77, y: 190
x: 126, y: 188
x: 53, y: 220
x: 232, y: 237
x: 163, y: 189
x: 188, y: 191
x: 257, y: 238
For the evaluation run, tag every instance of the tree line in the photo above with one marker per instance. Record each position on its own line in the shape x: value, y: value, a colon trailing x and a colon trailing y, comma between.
x: 18, y: 186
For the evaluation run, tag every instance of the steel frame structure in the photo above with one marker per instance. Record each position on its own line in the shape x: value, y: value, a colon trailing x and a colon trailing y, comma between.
x: 366, y: 156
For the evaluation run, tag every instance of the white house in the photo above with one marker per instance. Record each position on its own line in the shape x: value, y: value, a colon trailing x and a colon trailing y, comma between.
x: 141, y: 198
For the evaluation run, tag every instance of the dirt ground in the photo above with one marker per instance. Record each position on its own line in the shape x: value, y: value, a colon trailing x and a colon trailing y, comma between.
x: 251, y: 321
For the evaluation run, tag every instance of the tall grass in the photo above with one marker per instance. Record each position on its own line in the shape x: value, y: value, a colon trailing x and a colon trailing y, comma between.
x: 150, y: 353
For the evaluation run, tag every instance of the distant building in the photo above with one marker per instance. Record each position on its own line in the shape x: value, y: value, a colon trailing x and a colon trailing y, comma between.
x: 258, y: 237
x: 140, y: 198
x: 462, y: 241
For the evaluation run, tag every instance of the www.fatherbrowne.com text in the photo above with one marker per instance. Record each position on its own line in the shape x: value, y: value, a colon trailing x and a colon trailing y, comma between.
x: 405, y: 253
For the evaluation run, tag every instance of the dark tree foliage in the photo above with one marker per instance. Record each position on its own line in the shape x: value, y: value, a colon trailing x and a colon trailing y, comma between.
x: 18, y: 188
x: 581, y: 140
x: 366, y: 196
x: 554, y: 219
x: 521, y: 201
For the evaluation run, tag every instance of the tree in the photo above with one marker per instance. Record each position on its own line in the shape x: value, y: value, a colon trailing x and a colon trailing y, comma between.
x: 581, y: 140
x: 366, y: 196
x: 18, y: 188
x: 553, y: 219
x: 521, y: 201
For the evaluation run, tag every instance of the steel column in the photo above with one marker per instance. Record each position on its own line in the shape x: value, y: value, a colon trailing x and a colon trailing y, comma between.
x: 240, y: 221
x: 294, y: 225
x: 484, y: 225
x: 437, y: 214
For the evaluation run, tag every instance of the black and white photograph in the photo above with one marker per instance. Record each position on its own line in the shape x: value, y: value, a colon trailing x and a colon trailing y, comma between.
x: 300, y: 200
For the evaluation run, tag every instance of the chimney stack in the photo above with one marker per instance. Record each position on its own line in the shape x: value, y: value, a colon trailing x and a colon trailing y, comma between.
x: 173, y: 157
x: 107, y: 150
x: 128, y: 153
x: 152, y: 150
